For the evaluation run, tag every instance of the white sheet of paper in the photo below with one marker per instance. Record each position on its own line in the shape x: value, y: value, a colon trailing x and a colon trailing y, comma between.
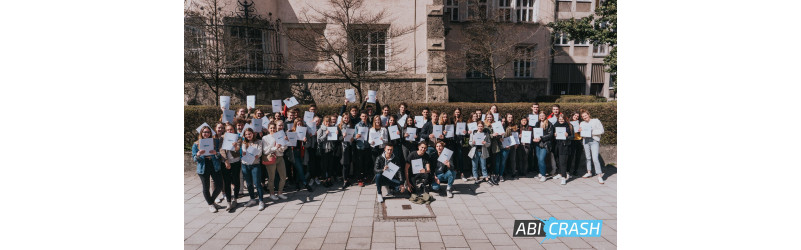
x: 276, y: 106
x: 412, y: 132
x: 371, y: 96
x: 312, y: 128
x: 532, y: 119
x: 473, y: 126
x: 228, y: 141
x: 402, y: 120
x: 291, y: 102
x: 280, y: 138
x: 293, y: 139
x: 363, y: 131
x: 389, y: 173
x: 417, y: 165
x: 586, y: 129
x: 375, y: 137
x: 393, y: 132
x: 516, y: 137
x: 206, y: 125
x: 497, y: 127
x: 449, y: 131
x: 575, y: 126
x: 308, y: 117
x: 560, y: 133
x: 332, y: 134
x: 446, y: 155
x: 419, y: 121
x: 483, y: 117
x: 251, y: 100
x: 206, y: 144
x: 350, y: 94
x: 301, y: 131
x: 339, y: 120
x: 437, y: 131
x: 526, y: 137
x: 228, y: 116
x: 507, y: 141
x: 250, y: 154
x: 256, y: 125
x: 553, y: 119
x: 537, y: 132
x: 479, y: 137
x: 496, y: 116
x: 225, y: 102
x: 460, y: 128
x: 349, y: 133
x: 290, y: 126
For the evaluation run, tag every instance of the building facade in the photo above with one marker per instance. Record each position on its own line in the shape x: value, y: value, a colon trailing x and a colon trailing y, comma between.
x: 410, y: 50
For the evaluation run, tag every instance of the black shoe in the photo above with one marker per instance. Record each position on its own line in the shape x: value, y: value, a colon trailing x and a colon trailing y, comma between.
x: 346, y: 184
x: 308, y: 188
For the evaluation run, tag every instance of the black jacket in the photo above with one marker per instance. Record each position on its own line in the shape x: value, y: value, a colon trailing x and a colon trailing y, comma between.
x: 381, y: 161
x: 562, y: 147
x: 441, y: 167
x: 547, y: 136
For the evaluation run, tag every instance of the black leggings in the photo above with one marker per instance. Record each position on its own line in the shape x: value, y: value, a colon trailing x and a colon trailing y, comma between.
x: 231, y: 177
x: 365, y: 163
x: 204, y: 179
x: 327, y: 164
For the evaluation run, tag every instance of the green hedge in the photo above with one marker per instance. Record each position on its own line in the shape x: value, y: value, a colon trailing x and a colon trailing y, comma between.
x: 605, y: 111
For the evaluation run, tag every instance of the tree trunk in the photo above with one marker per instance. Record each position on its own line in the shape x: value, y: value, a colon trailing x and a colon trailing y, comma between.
x: 494, y: 89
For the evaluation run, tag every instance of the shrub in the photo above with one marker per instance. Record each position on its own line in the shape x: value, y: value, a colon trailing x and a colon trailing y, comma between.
x: 580, y: 99
x: 605, y: 111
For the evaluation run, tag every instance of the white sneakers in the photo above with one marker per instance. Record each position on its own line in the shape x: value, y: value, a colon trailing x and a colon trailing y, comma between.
x: 601, y: 178
x: 282, y: 196
x: 220, y: 200
x: 273, y: 197
x: 502, y: 180
x: 317, y: 181
x: 587, y: 175
x: 558, y: 176
x: 564, y: 181
x: 450, y: 194
x: 380, y: 198
x: 542, y: 178
x: 251, y: 203
x: 568, y: 176
x: 212, y: 209
x: 262, y: 206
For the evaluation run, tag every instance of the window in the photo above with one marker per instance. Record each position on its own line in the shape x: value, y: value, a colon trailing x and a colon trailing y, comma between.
x: 525, y: 62
x: 600, y: 50
x: 476, y: 66
x: 452, y: 7
x: 194, y: 37
x: 526, y: 11
x: 252, y: 49
x: 505, y: 10
x: 561, y: 39
x: 370, y: 54
x: 477, y: 5
x: 580, y: 43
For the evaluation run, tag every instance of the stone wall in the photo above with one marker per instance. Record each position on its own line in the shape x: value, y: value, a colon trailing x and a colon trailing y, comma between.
x: 510, y: 90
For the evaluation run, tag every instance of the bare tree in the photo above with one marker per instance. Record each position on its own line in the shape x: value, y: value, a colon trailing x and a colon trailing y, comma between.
x: 491, y: 43
x: 353, y: 41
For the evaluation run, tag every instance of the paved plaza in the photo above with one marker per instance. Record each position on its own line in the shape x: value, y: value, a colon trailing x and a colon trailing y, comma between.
x: 475, y: 218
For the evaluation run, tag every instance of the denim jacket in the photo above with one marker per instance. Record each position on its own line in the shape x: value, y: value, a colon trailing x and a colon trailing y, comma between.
x: 201, y: 163
x: 361, y: 145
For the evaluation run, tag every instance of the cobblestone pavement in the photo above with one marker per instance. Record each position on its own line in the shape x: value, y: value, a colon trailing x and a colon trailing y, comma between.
x: 477, y: 218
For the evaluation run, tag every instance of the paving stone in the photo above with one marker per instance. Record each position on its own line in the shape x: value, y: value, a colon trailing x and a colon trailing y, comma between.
x: 358, y: 243
x: 384, y: 237
x: 454, y: 241
x: 407, y: 242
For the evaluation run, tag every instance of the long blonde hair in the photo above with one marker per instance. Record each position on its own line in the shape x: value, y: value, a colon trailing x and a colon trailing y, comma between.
x: 544, y: 124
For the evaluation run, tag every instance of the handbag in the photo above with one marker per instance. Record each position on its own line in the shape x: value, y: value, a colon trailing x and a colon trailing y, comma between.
x: 270, y: 162
x: 472, y: 153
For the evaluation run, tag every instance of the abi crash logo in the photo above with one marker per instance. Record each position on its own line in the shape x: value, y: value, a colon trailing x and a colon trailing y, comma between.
x: 553, y: 228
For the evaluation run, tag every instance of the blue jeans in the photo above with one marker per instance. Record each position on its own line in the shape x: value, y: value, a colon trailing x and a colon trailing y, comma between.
x: 431, y: 152
x: 381, y: 180
x: 447, y: 176
x: 541, y: 153
x: 500, y: 161
x: 476, y: 160
x: 252, y: 175
x: 591, y: 152
x: 299, y: 168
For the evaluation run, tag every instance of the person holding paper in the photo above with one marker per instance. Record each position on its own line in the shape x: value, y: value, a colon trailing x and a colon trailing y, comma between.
x: 272, y: 148
x: 347, y: 149
x: 480, y: 143
x: 496, y: 149
x: 421, y: 176
x: 576, y: 149
x: 554, y: 113
x: 562, y: 147
x: 592, y: 144
x: 425, y: 132
x: 507, y: 154
x: 523, y: 149
x: 409, y: 146
x: 208, y: 166
x: 459, y: 144
x: 362, y: 156
x: 384, y: 115
x: 368, y: 108
x: 252, y: 150
x: 443, y: 171
x: 403, y: 109
x: 354, y: 112
x: 382, y: 164
x: 327, y: 151
x: 392, y: 122
x: 298, y: 153
x: 543, y: 144
x: 232, y: 169
x: 378, y: 138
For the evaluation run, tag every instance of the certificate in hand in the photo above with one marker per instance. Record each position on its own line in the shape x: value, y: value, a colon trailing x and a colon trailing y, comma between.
x: 532, y: 119
x: 301, y: 131
x: 206, y: 144
x: 507, y: 141
x: 446, y: 155
x: 417, y: 165
x: 205, y: 125
x: 339, y: 120
x: 228, y: 116
x: 375, y: 137
x: 419, y: 121
x: 479, y: 137
x: 308, y: 117
x: 560, y: 133
x: 472, y: 126
x: 516, y: 137
x: 250, y: 154
x: 293, y: 139
x: 526, y: 137
x: 575, y: 126
x: 363, y: 131
x: 228, y: 141
x: 371, y: 96
x: 496, y: 116
x: 537, y: 132
x: 402, y: 120
x: 389, y: 173
x: 280, y: 138
x: 225, y: 102
x: 251, y: 101
x: 412, y: 132
x: 292, y: 102
x: 256, y: 125
x: 586, y: 129
x: 497, y: 127
x: 349, y: 134
x: 437, y: 131
x: 449, y: 131
x: 332, y: 134
x: 553, y: 119
x: 483, y: 117
x: 350, y: 94
x: 393, y: 132
x: 276, y: 106
x: 460, y: 127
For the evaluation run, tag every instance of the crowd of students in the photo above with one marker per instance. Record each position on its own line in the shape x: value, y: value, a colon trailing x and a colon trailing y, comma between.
x: 357, y: 145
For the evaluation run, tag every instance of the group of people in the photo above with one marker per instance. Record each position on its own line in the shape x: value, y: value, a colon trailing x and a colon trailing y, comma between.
x: 361, y: 145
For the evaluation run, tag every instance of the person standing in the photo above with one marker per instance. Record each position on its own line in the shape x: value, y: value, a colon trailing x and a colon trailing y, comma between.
x: 208, y: 166
x: 592, y: 144
x: 562, y: 147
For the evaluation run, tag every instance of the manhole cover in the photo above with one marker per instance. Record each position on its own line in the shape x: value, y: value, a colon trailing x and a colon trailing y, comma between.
x: 405, y: 209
